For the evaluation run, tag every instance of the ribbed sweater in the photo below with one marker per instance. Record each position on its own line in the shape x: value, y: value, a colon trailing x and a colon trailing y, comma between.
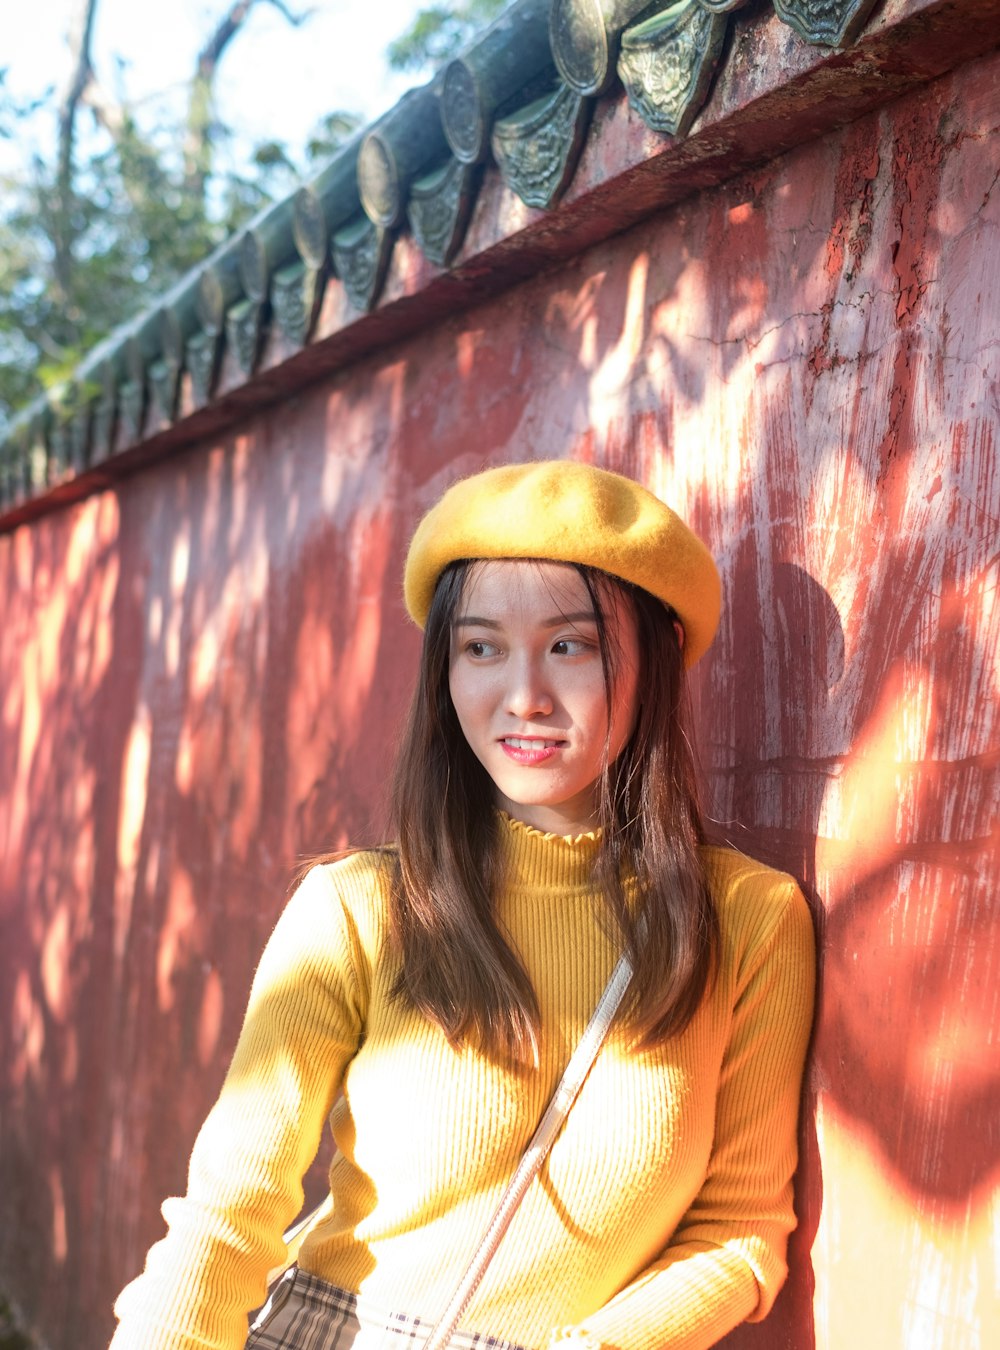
x: 660, y: 1217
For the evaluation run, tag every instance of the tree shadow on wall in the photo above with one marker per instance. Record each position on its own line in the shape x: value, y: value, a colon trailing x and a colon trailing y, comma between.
x: 897, y: 1045
x: 809, y: 665
x: 194, y: 658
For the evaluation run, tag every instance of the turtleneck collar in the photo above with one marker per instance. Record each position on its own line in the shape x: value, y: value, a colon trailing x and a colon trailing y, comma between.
x: 549, y: 861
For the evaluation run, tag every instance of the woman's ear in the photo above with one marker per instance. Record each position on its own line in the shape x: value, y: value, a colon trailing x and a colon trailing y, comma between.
x: 679, y: 630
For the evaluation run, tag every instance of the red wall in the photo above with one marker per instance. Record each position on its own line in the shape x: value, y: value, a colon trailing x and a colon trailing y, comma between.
x: 202, y: 671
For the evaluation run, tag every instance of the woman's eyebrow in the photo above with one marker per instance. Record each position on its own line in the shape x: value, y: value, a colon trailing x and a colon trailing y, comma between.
x: 581, y: 616
x: 474, y: 621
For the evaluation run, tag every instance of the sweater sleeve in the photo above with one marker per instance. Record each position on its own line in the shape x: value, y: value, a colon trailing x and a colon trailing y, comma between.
x: 725, y: 1262
x: 303, y: 1023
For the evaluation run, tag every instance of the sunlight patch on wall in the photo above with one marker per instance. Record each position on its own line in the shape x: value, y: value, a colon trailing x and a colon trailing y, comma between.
x: 180, y: 561
x: 612, y: 375
x: 27, y: 1032
x: 860, y: 822
x: 210, y: 1018
x: 466, y: 343
x: 893, y: 1264
x: 131, y: 818
x: 176, y: 935
x: 572, y: 315
x: 60, y: 1246
x: 240, y: 468
x: 55, y: 959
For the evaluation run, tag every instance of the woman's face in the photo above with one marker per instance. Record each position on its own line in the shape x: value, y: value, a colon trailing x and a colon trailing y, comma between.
x: 527, y: 683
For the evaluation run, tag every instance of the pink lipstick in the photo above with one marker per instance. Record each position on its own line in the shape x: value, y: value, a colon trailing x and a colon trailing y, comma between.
x: 529, y: 750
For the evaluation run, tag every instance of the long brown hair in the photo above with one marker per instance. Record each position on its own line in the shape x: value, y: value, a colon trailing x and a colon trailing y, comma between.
x: 456, y: 966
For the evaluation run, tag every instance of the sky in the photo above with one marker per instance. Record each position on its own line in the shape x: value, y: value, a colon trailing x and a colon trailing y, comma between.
x: 274, y: 82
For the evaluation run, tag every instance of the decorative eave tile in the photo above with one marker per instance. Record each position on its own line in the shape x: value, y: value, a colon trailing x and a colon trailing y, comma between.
x: 81, y: 430
x: 89, y: 403
x: 105, y: 415
x: 667, y: 63
x: 203, y: 354
x: 164, y: 376
x: 829, y: 23
x: 508, y: 65
x: 584, y: 37
x: 37, y: 452
x: 141, y: 346
x: 177, y: 319
x: 267, y: 243
x: 296, y: 293
x: 322, y: 206
x: 439, y: 208
x: 537, y: 147
x: 361, y: 253
x: 403, y: 145
x: 220, y: 286
x: 60, y: 460
x: 131, y: 408
x: 245, y: 324
x: 9, y: 474
x: 15, y: 478
x: 103, y: 433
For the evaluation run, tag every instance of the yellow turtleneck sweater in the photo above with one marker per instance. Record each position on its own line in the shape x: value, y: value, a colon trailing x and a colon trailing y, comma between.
x: 661, y: 1215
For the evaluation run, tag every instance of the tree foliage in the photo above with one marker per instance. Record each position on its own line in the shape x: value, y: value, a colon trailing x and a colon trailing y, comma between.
x: 440, y: 31
x: 120, y: 211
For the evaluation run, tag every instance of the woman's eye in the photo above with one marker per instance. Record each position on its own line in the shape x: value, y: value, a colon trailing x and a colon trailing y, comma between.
x: 480, y: 649
x: 571, y: 646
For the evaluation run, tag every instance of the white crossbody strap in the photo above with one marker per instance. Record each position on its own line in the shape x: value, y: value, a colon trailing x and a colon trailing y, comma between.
x: 534, y: 1155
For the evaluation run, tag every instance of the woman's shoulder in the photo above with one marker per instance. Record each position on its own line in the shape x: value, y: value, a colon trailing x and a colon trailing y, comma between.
x: 726, y: 866
x: 349, y: 868
x: 752, y: 900
x: 356, y: 882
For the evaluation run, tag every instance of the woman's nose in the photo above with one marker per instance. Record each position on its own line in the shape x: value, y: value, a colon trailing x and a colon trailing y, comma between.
x: 528, y: 694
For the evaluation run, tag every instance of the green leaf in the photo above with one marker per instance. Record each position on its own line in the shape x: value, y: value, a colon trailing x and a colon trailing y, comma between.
x: 439, y: 32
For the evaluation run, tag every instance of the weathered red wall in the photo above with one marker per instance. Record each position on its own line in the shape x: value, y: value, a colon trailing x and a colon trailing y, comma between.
x: 202, y: 672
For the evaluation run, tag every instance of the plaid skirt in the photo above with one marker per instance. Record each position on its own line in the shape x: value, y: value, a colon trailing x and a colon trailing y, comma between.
x: 306, y: 1313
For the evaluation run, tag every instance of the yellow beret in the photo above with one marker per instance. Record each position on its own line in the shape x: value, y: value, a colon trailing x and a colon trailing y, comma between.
x: 574, y: 513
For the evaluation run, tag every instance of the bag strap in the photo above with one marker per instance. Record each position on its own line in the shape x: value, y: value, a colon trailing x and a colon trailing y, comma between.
x: 535, y: 1154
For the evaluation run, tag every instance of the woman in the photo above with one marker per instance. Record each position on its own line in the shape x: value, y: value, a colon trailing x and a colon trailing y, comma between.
x: 425, y: 998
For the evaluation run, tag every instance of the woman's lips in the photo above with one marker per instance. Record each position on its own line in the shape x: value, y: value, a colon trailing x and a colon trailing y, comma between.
x: 529, y: 749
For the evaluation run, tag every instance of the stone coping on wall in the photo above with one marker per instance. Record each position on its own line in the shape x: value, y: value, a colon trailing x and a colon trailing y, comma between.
x: 564, y: 123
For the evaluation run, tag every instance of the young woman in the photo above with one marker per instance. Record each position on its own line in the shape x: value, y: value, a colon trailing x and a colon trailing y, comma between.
x: 425, y: 998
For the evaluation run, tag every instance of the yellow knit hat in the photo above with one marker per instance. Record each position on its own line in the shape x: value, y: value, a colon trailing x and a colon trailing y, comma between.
x: 569, y: 512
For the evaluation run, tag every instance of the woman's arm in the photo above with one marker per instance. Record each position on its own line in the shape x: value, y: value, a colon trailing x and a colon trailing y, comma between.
x: 302, y: 1025
x: 726, y: 1260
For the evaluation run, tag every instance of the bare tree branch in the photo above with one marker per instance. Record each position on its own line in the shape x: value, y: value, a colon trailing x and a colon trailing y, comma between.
x: 296, y: 20
x: 197, y: 142
x: 107, y: 112
x: 80, y: 30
